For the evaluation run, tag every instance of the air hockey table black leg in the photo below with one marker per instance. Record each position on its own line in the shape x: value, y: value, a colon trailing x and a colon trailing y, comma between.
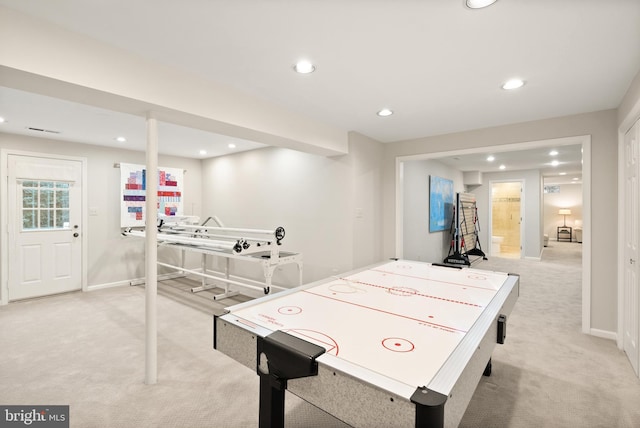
x: 272, y: 392
x: 280, y: 357
x: 487, y: 369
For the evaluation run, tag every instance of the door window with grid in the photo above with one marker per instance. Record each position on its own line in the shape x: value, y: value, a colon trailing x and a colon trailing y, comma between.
x: 45, y: 205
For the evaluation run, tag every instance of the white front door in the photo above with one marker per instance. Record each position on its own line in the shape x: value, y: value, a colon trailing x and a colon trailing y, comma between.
x: 44, y: 220
x: 631, y: 298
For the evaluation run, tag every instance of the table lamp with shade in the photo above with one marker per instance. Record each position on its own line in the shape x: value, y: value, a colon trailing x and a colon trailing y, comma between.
x: 564, y: 212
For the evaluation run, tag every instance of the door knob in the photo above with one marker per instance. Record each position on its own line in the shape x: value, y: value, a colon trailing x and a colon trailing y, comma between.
x: 75, y: 235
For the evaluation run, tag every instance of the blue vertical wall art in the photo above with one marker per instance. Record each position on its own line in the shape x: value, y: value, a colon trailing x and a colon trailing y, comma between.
x: 440, y: 203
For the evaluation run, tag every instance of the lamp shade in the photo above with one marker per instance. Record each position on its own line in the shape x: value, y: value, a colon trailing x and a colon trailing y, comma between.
x: 564, y: 211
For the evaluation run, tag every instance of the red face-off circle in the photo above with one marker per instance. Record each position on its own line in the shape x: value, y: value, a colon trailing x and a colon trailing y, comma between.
x: 343, y: 288
x: 397, y: 344
x: 403, y: 291
x: 290, y: 310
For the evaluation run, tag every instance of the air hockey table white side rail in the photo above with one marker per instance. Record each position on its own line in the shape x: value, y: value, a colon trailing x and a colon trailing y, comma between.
x: 361, y: 397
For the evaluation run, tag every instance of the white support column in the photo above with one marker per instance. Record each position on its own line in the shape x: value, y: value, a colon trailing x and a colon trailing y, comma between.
x: 151, y: 252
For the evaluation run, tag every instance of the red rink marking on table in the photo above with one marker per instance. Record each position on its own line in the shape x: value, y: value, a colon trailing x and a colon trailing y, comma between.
x: 428, y: 296
x: 344, y: 287
x: 441, y: 326
x: 290, y: 310
x: 247, y: 323
x: 398, y: 344
x: 432, y: 280
x: 403, y: 291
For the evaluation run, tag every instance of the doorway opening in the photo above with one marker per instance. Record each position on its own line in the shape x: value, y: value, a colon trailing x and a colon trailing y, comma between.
x: 537, y: 238
x: 506, y: 219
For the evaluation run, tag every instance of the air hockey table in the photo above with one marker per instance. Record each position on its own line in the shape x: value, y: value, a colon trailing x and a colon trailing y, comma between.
x: 397, y: 344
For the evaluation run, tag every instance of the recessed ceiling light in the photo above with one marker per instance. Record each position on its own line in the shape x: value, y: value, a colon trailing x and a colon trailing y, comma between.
x: 553, y: 153
x: 502, y: 167
x: 121, y: 139
x: 513, y: 84
x: 479, y: 4
x: 202, y: 152
x: 385, y: 112
x: 304, y: 67
x: 231, y: 146
x: 491, y: 158
x: 562, y: 173
x: 575, y: 179
x: 555, y: 163
x: 2, y: 120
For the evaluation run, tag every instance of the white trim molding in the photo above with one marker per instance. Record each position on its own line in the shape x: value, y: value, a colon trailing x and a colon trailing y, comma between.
x: 605, y: 334
x: 585, y: 140
x: 4, y: 227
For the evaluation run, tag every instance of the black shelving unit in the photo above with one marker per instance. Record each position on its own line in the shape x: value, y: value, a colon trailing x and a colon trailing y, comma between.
x: 464, y: 231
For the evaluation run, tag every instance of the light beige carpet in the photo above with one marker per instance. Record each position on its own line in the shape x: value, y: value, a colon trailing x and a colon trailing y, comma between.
x: 87, y: 350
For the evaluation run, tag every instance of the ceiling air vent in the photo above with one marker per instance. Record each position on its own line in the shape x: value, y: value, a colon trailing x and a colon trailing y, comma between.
x: 30, y: 128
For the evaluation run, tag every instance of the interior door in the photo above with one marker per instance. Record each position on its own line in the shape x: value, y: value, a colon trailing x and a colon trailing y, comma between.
x: 506, y: 198
x: 631, y: 298
x: 44, y: 220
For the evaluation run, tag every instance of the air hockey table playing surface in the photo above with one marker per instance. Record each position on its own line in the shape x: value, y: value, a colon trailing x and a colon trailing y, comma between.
x: 382, y: 340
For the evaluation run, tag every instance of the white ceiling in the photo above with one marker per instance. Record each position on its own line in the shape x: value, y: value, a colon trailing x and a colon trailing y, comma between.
x: 58, y: 119
x: 435, y: 63
x: 567, y: 170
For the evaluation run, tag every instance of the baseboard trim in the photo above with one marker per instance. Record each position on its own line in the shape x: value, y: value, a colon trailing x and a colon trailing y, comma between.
x: 108, y: 285
x: 605, y: 334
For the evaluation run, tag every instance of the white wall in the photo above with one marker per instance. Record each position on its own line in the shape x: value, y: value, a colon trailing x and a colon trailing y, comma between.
x: 330, y: 207
x: 112, y: 258
x: 365, y: 155
x: 418, y: 242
